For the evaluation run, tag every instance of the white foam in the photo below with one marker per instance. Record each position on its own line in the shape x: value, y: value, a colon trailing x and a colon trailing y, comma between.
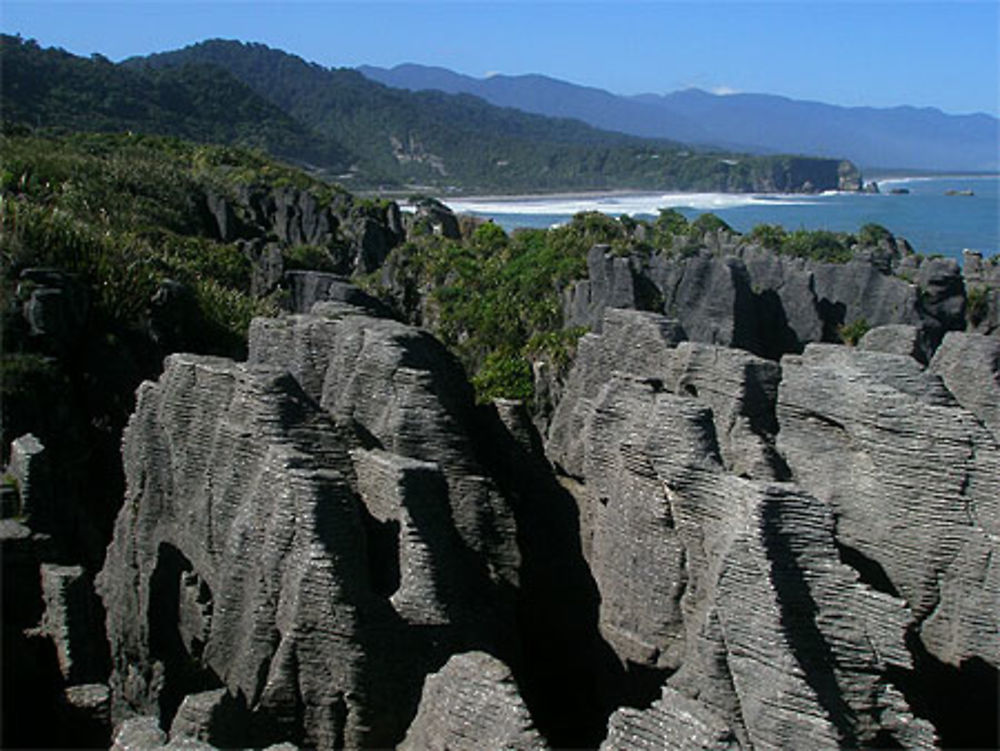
x: 631, y: 204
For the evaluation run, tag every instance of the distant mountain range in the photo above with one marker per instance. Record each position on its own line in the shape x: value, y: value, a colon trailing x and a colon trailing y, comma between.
x: 898, y: 137
x: 344, y: 126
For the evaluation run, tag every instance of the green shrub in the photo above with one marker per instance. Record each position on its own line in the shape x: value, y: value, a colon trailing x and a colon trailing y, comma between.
x: 977, y: 305
x: 851, y: 333
x: 770, y: 236
x: 308, y: 258
x: 503, y: 376
x: 817, y: 245
x: 872, y: 235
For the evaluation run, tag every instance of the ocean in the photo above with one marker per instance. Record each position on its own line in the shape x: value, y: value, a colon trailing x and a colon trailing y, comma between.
x: 932, y: 221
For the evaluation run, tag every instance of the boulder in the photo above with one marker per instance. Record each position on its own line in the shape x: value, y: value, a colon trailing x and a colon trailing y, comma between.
x: 969, y: 365
x: 472, y: 703
x: 897, y: 339
x: 672, y: 723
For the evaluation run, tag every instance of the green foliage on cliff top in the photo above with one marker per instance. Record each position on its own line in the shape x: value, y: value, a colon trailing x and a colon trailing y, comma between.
x: 124, y: 213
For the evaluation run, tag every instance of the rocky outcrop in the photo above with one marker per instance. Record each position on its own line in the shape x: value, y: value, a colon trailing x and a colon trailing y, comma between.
x: 896, y: 339
x: 738, y: 295
x: 969, y: 366
x: 792, y: 613
x: 310, y: 544
x: 888, y: 448
x: 982, y: 284
x: 472, y: 703
x: 672, y: 722
x: 401, y: 391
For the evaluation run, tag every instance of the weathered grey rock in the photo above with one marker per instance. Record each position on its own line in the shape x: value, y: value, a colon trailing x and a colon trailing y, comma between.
x: 433, y: 216
x: 749, y: 602
x: 139, y: 734
x: 411, y: 496
x: 982, y: 286
x: 72, y: 619
x: 313, y: 542
x: 942, y: 293
x: 472, y: 703
x: 740, y: 388
x: 914, y: 482
x: 711, y: 297
x: 896, y: 339
x: 306, y: 288
x: 860, y: 290
x: 790, y: 280
x: 737, y: 294
x: 234, y: 475
x: 733, y: 586
x: 673, y: 723
x: 609, y: 284
x: 221, y: 211
x: 55, y: 306
x: 29, y: 468
x: 403, y: 392
x: 215, y: 717
x: 969, y: 365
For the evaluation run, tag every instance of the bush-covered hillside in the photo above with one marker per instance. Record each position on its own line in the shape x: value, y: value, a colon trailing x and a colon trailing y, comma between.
x: 339, y: 124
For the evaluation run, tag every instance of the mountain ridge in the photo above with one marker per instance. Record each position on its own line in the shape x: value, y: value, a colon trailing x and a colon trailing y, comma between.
x: 903, y: 136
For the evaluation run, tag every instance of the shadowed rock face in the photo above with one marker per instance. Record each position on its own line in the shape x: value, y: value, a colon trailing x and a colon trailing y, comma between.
x: 753, y: 299
x: 914, y: 481
x: 314, y: 564
x: 799, y: 613
x: 760, y: 555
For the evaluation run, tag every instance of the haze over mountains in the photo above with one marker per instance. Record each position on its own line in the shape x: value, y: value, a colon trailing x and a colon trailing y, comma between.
x: 874, y: 138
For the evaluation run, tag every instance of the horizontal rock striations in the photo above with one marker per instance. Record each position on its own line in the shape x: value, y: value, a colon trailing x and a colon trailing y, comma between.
x: 313, y: 557
x: 472, y: 703
x: 752, y: 594
x: 735, y: 294
x: 914, y: 482
x: 330, y: 545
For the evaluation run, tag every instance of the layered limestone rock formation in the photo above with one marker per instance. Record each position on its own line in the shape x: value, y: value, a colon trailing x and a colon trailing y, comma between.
x: 329, y: 545
x: 472, y: 703
x: 313, y: 557
x: 743, y: 296
x: 763, y: 613
x: 913, y: 480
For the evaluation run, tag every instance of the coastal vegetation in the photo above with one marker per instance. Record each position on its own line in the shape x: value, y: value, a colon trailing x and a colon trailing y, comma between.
x: 125, y: 214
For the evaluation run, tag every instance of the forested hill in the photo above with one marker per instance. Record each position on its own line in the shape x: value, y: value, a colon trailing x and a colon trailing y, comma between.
x: 52, y: 88
x: 367, y: 135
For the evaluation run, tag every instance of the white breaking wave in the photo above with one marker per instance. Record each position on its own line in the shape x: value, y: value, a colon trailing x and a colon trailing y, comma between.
x: 631, y: 204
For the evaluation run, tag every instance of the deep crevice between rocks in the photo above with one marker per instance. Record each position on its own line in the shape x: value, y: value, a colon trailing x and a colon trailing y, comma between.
x: 961, y: 702
x: 184, y: 673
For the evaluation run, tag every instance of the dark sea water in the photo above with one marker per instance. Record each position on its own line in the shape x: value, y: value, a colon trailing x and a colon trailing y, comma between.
x: 930, y: 220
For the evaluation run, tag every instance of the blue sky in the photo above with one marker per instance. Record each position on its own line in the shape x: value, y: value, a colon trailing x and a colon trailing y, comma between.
x: 940, y: 54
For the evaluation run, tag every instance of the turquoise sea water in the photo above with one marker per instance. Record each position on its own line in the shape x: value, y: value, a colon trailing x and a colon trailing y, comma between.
x: 930, y: 220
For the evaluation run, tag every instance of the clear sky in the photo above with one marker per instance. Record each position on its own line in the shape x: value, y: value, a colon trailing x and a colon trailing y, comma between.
x: 939, y: 54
